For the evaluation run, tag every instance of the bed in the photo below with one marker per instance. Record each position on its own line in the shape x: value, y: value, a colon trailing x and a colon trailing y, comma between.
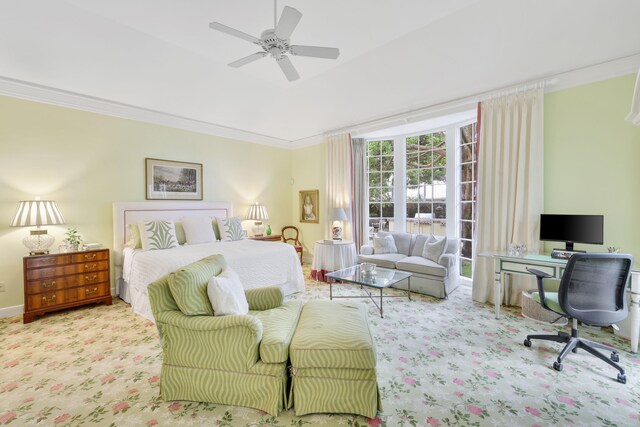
x: 257, y: 263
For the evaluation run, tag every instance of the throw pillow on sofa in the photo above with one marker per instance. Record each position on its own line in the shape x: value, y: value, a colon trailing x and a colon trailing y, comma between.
x: 188, y: 285
x: 384, y: 245
x: 433, y: 248
x: 226, y: 294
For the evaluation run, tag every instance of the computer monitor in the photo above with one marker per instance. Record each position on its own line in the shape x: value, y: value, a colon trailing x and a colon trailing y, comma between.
x: 572, y: 229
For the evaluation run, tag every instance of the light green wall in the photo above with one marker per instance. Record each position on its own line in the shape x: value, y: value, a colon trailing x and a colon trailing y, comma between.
x: 591, y: 159
x: 309, y: 171
x: 87, y: 161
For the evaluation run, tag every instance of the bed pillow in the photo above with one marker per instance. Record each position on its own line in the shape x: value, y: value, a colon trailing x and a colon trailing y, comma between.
x: 216, y: 229
x: 182, y: 239
x: 434, y: 248
x: 157, y: 234
x: 198, y: 229
x: 134, y: 237
x: 188, y: 285
x: 231, y: 229
x: 384, y: 245
x: 226, y: 294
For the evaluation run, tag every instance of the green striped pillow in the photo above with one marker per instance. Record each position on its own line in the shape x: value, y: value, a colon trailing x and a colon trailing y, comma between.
x: 188, y: 285
x: 231, y: 229
x: 157, y: 235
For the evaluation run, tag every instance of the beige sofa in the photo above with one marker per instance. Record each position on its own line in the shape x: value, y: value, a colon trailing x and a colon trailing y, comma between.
x: 437, y: 279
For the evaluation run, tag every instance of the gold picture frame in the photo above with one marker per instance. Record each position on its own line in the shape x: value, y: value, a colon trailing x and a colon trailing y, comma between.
x: 171, y: 180
x: 309, y: 207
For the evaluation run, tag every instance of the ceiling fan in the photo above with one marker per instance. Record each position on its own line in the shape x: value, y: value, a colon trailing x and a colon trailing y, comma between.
x: 275, y: 42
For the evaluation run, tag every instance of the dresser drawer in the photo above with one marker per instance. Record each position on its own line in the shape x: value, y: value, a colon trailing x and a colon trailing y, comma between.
x: 52, y: 284
x: 90, y: 256
x: 89, y: 291
x: 46, y: 261
x: 85, y: 267
x: 46, y: 299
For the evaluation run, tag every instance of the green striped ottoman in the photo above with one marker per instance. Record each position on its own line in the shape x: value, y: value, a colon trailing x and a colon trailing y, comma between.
x: 333, y: 361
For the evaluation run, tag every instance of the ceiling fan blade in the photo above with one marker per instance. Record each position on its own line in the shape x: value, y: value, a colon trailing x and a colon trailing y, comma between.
x: 288, y: 22
x: 247, y: 59
x: 315, y: 51
x: 287, y: 68
x: 233, y: 32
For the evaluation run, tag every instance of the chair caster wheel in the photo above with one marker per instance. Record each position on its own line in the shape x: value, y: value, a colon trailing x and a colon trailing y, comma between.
x: 615, y: 357
x: 622, y: 378
x: 557, y: 366
x: 527, y: 342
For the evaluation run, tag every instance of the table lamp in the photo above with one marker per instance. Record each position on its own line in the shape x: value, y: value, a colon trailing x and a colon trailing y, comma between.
x: 258, y: 213
x: 337, y: 215
x: 37, y: 213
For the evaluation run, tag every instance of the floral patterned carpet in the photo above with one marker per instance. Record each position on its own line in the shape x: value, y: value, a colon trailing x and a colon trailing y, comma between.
x: 440, y: 363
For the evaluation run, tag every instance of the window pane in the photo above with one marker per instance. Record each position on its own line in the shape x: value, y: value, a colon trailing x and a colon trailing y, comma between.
x: 413, y: 177
x: 466, y: 211
x: 440, y: 210
x: 465, y: 268
x: 425, y: 208
x: 466, y: 248
x: 426, y: 159
x: 466, y: 192
x: 386, y: 163
x: 386, y: 147
x: 466, y: 153
x: 426, y: 192
x: 412, y: 160
x: 373, y: 148
x: 386, y: 195
x: 374, y: 211
x: 412, y: 143
x: 374, y: 164
x: 466, y: 172
x: 426, y: 142
x: 387, y: 210
x: 440, y: 175
x: 374, y: 179
x: 412, y: 194
x: 466, y: 134
x: 439, y: 139
x: 374, y: 195
x: 387, y: 179
x: 412, y: 210
x: 466, y: 230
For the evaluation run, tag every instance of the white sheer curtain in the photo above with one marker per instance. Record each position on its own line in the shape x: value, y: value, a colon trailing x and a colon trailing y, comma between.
x: 339, y: 179
x: 510, y: 184
x: 360, y: 192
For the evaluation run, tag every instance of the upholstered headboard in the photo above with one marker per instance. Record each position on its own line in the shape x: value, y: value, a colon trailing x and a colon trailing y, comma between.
x: 125, y: 213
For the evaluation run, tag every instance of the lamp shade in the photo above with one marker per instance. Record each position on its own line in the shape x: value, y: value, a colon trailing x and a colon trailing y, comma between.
x: 37, y: 213
x: 338, y: 214
x: 257, y: 212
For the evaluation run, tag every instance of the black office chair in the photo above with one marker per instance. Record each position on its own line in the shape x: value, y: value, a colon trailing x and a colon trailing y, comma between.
x: 592, y: 290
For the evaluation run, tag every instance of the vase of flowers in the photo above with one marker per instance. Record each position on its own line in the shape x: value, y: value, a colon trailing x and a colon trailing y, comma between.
x: 73, y: 241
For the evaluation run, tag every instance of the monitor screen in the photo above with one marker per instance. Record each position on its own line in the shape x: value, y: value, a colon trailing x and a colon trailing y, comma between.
x: 572, y: 228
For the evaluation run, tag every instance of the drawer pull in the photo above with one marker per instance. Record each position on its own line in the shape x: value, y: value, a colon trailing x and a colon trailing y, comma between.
x: 90, y: 266
x: 50, y: 299
x: 89, y: 256
x: 89, y: 291
x: 90, y: 279
x: 49, y: 285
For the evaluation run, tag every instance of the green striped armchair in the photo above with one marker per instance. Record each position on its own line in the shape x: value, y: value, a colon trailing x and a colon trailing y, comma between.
x: 231, y: 360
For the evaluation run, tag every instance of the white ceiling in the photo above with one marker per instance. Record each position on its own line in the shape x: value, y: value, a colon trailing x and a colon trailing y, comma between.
x: 395, y: 56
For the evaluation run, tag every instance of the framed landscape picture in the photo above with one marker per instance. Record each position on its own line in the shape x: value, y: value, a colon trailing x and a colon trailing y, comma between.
x: 170, y: 180
x: 309, y: 206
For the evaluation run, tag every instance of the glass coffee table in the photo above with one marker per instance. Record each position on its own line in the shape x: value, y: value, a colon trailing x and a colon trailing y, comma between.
x: 379, y: 279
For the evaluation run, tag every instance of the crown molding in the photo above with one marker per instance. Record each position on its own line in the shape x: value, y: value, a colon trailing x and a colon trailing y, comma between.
x: 62, y: 98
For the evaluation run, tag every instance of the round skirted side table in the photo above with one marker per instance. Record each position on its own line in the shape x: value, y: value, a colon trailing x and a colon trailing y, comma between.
x: 328, y: 257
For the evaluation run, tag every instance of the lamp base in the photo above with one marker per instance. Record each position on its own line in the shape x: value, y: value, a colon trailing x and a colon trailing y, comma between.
x: 336, y: 232
x: 258, y: 229
x: 38, y: 242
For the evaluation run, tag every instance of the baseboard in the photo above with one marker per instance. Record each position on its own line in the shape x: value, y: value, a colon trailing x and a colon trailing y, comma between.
x: 11, y: 311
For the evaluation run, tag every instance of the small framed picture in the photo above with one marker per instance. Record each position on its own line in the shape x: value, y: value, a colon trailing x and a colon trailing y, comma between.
x: 171, y: 180
x: 309, y: 206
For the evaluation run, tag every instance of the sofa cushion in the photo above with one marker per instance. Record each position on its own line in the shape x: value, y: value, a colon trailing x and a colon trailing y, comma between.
x: 334, y: 335
x: 452, y: 246
x: 418, y: 264
x: 418, y: 244
x: 278, y: 327
x: 383, y: 260
x: 434, y: 248
x: 403, y: 240
x: 384, y: 245
x: 188, y: 285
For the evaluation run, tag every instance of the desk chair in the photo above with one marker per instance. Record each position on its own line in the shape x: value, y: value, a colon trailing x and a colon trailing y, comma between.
x: 290, y: 235
x: 592, y: 290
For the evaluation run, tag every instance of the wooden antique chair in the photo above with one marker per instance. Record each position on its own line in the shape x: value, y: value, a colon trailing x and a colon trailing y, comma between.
x: 290, y: 235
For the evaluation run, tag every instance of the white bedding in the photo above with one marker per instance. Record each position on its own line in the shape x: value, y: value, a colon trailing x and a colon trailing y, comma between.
x: 257, y: 263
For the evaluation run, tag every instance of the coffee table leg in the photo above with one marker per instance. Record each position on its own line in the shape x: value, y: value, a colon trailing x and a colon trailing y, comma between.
x: 381, y: 315
x: 409, y: 288
x: 330, y: 291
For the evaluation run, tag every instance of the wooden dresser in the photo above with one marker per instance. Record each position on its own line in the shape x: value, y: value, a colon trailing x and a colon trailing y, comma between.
x: 58, y: 281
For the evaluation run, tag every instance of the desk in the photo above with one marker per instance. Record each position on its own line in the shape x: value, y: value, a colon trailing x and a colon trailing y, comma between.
x: 509, y: 264
x: 328, y: 257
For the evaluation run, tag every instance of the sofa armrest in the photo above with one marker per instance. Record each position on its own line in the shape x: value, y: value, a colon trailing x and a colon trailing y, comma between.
x: 261, y: 299
x: 366, y: 250
x: 447, y: 260
x: 224, y: 342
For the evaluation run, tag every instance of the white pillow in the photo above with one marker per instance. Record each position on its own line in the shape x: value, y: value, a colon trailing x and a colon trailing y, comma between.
x: 198, y: 229
x: 157, y: 235
x: 231, y: 229
x: 226, y: 294
x: 384, y: 245
x: 433, y: 248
